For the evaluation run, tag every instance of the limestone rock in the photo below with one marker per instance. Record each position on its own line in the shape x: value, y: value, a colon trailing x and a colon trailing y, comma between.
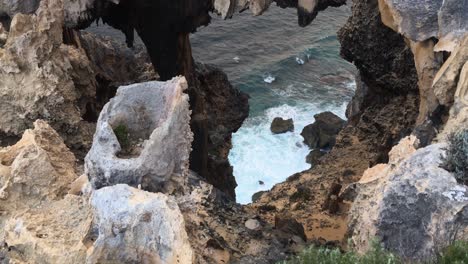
x: 323, y: 131
x: 416, y: 206
x: 143, y: 138
x: 134, y: 226
x: 52, y: 233
x: 280, y: 125
x: 421, y: 20
x: 253, y: 224
x: 37, y: 82
x: 38, y: 168
x: 445, y: 82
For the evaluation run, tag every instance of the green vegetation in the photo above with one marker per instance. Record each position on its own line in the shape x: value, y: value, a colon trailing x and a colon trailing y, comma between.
x: 457, y: 253
x: 456, y: 158
x: 121, y: 132
x: 320, y: 255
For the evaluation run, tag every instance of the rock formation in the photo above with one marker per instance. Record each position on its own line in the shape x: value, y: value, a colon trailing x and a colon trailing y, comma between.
x: 322, y: 133
x: 280, y: 125
x: 416, y: 206
x: 143, y: 138
x: 133, y: 226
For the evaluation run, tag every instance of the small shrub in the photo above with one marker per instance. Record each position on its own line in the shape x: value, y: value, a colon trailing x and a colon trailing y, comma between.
x: 457, y: 253
x: 321, y: 255
x: 456, y: 158
x: 121, y: 132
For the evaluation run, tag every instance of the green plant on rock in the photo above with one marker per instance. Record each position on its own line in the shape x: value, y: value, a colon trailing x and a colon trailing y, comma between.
x: 121, y: 132
x: 322, y: 255
x: 457, y: 253
x: 456, y: 158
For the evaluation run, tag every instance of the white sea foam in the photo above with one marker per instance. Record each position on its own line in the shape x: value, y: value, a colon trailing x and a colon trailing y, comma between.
x: 258, y: 155
x: 269, y: 78
x: 300, y: 61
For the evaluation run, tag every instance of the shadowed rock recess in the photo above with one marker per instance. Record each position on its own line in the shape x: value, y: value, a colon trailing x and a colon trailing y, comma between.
x: 156, y: 185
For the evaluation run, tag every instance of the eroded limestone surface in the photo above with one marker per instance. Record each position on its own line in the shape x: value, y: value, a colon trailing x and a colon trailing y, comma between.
x: 143, y: 138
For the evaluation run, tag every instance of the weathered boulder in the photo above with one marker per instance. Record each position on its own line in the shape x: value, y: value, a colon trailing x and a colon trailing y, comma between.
x: 36, y: 214
x: 38, y: 168
x: 416, y: 206
x: 143, y: 138
x: 38, y: 78
x: 134, y: 226
x: 280, y: 125
x: 422, y: 20
x: 51, y: 233
x: 446, y: 79
x: 322, y: 133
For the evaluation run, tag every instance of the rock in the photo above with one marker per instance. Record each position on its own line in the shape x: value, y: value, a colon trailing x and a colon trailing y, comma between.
x: 218, y: 110
x: 36, y: 214
x: 290, y: 225
x: 256, y: 196
x: 33, y: 236
x: 38, y: 168
x: 280, y: 125
x: 446, y: 79
x: 253, y: 224
x: 322, y: 133
x: 313, y: 157
x: 38, y: 78
x: 3, y: 35
x: 134, y: 226
x: 421, y: 20
x: 416, y: 206
x: 148, y: 152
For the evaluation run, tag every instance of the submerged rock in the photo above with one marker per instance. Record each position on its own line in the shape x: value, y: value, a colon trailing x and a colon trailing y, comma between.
x: 322, y: 133
x: 280, y: 125
x: 134, y: 226
x: 143, y: 138
x: 415, y: 208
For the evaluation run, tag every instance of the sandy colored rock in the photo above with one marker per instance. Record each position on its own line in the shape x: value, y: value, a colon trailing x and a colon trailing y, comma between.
x: 446, y: 79
x: 52, y: 233
x: 134, y: 226
x: 38, y: 168
x: 36, y: 78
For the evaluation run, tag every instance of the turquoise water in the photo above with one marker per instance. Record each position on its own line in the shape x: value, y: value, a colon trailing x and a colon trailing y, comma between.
x: 288, y: 71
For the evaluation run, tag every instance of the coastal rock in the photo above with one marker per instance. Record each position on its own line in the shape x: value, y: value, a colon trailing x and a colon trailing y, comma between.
x: 38, y: 78
x: 421, y: 20
x: 134, y: 226
x: 446, y: 80
x: 135, y: 141
x: 38, y: 168
x: 322, y: 133
x: 51, y: 233
x: 313, y: 156
x: 280, y: 125
x: 36, y: 214
x: 413, y: 191
x: 218, y: 110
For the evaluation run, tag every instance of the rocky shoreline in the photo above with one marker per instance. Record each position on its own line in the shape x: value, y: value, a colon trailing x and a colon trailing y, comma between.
x: 170, y: 198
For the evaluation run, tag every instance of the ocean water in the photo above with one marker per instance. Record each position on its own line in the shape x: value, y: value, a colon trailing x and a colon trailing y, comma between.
x: 288, y: 71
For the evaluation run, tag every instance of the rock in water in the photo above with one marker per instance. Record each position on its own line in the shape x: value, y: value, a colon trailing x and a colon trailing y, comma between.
x: 322, y: 133
x: 134, y: 226
x: 143, y: 138
x: 415, y: 208
x: 280, y: 125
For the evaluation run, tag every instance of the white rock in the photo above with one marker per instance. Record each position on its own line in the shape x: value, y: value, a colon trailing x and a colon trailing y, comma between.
x: 157, y: 112
x: 134, y: 226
